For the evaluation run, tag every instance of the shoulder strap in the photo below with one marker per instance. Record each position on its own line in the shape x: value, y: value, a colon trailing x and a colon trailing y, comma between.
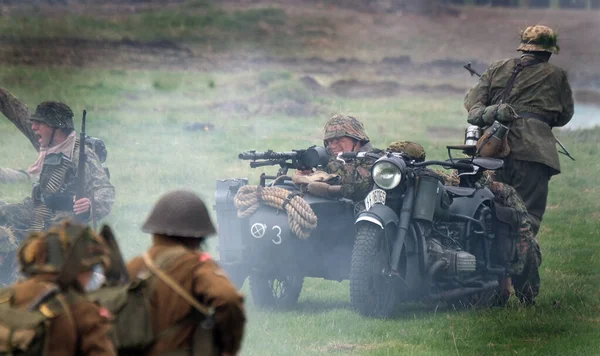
x: 511, y: 82
x: 519, y: 66
x: 207, y: 311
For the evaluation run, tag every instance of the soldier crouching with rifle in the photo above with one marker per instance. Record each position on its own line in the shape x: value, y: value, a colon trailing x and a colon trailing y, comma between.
x: 56, y: 194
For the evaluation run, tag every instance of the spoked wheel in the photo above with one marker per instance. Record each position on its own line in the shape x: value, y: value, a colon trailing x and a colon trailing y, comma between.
x: 277, y: 292
x: 373, y: 292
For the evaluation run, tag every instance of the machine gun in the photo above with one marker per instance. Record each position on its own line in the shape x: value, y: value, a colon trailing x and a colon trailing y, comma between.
x: 296, y: 159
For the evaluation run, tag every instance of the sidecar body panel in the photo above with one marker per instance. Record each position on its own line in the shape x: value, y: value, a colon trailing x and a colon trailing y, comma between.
x: 265, y: 242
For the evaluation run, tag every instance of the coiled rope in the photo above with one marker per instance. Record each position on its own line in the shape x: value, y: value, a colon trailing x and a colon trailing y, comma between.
x: 301, y: 217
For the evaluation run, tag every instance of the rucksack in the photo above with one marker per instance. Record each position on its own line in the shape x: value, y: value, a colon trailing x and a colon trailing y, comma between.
x: 25, y: 332
x: 132, y: 332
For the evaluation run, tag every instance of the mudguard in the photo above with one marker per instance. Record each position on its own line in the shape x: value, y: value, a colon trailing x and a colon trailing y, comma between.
x: 380, y: 215
x: 467, y: 206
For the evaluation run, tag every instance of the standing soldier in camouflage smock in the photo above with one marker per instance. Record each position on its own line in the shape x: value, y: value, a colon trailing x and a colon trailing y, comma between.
x: 179, y: 223
x: 542, y: 99
x: 344, y: 133
x: 51, y: 131
x: 524, y: 274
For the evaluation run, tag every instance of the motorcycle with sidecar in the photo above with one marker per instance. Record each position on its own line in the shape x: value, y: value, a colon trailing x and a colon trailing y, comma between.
x: 418, y: 239
x: 262, y: 244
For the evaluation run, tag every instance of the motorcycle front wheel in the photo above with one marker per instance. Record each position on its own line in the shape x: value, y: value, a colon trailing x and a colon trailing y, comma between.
x: 373, y: 292
x: 275, y: 292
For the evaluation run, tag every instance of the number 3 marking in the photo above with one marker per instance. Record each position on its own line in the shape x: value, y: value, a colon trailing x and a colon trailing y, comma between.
x: 278, y: 240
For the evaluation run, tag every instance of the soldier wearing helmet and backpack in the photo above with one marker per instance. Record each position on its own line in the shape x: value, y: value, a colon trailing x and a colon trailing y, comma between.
x: 530, y: 96
x: 344, y: 133
x: 48, y: 313
x: 195, y: 308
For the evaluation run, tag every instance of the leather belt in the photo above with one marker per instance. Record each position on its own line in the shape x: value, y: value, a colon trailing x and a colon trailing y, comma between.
x: 536, y: 116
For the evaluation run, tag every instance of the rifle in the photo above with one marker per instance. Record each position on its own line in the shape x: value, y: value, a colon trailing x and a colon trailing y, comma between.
x: 80, y: 184
x: 296, y: 159
x: 116, y: 274
x: 564, y: 149
x: 471, y: 70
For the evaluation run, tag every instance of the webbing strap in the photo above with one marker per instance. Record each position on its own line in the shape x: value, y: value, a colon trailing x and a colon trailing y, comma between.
x: 207, y: 311
x: 511, y: 82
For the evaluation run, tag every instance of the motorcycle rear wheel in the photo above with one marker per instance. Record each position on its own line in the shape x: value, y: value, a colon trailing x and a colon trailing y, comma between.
x: 275, y: 292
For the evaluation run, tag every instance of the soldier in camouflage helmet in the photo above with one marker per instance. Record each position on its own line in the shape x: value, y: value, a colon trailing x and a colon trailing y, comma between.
x: 179, y: 224
x: 340, y: 127
x: 51, y: 131
x: 524, y: 275
x: 344, y: 133
x: 61, y: 265
x: 541, y: 99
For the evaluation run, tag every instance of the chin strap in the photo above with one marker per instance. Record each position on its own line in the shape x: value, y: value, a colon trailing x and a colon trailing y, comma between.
x: 52, y: 137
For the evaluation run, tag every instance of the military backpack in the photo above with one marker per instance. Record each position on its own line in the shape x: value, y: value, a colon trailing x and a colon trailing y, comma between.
x: 25, y: 332
x: 130, y: 305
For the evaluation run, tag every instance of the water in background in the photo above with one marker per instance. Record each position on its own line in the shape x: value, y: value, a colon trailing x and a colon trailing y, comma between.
x: 586, y: 116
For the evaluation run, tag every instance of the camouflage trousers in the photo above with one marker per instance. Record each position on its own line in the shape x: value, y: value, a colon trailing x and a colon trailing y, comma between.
x: 525, y: 270
x: 15, y: 220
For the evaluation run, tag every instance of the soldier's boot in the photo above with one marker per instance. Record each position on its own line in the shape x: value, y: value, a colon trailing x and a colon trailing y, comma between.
x: 527, y: 285
x: 504, y: 291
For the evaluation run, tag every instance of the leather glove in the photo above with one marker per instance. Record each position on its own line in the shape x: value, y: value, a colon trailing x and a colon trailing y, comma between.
x: 324, y: 190
x: 506, y: 113
x: 489, y: 114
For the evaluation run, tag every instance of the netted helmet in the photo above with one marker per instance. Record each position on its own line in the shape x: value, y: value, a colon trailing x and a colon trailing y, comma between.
x: 344, y: 126
x: 47, y: 252
x: 179, y: 213
x: 539, y: 38
x: 54, y: 114
x: 412, y: 149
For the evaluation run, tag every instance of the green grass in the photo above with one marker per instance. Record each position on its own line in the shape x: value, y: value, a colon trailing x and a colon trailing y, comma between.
x: 141, y: 116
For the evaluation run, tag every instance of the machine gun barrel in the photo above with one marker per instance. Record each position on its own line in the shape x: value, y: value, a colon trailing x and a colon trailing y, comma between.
x: 271, y: 155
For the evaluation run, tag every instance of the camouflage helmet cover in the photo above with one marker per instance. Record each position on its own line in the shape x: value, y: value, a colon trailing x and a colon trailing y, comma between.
x: 46, y: 252
x: 344, y: 126
x: 411, y: 149
x: 179, y: 213
x: 54, y: 114
x: 539, y: 38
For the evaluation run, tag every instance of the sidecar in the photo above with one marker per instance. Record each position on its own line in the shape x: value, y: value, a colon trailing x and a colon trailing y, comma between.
x: 263, y: 247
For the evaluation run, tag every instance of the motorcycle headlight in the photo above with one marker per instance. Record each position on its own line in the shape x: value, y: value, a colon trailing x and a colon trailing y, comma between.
x: 386, y: 175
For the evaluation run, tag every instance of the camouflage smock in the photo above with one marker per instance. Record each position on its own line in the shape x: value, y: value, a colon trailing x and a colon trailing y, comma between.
x: 354, y: 176
x: 542, y: 89
x: 528, y: 250
x: 97, y: 186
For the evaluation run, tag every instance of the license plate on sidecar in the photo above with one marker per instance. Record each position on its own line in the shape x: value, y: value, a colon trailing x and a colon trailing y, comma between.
x: 376, y: 196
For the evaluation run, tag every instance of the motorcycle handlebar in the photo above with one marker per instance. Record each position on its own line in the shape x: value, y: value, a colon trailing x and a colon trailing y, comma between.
x: 463, y: 166
x: 457, y: 165
x: 348, y: 155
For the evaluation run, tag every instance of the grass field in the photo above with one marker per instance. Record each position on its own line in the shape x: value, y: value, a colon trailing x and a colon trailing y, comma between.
x: 146, y: 118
